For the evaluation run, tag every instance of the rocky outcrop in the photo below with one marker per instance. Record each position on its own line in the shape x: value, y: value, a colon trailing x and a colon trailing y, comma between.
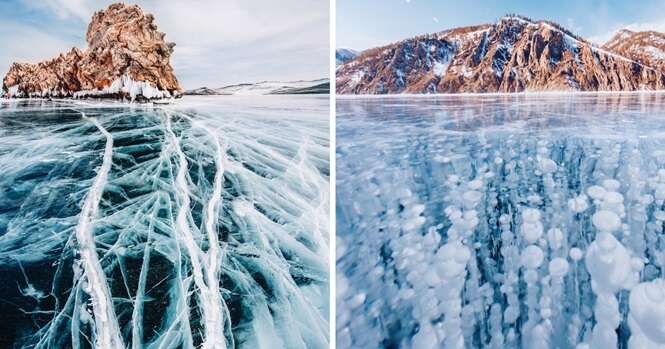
x: 126, y: 58
x: 514, y: 54
x: 647, y: 47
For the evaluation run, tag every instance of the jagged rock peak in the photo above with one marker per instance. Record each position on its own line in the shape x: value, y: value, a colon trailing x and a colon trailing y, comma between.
x: 513, y: 54
x: 126, y: 57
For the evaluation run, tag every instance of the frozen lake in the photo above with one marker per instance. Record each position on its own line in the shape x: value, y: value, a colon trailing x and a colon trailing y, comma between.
x: 499, y: 221
x: 202, y: 223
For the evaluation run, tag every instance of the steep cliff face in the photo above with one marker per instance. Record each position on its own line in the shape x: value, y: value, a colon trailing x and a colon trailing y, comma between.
x: 513, y: 55
x: 126, y: 57
x: 647, y: 47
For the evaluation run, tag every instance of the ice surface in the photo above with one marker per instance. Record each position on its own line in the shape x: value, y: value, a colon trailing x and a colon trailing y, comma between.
x: 528, y: 221
x: 202, y: 224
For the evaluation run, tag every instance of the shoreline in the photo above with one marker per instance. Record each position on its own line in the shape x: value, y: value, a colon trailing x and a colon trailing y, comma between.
x: 498, y: 94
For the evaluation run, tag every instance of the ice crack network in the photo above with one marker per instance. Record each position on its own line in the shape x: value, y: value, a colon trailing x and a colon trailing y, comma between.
x: 200, y: 226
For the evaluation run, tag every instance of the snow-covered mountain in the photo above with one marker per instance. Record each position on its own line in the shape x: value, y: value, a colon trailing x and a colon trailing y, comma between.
x: 320, y: 86
x: 512, y: 55
x: 343, y: 55
x: 646, y: 47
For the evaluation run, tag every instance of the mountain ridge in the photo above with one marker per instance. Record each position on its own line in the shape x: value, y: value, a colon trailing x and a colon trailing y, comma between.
x: 318, y: 86
x: 514, y: 54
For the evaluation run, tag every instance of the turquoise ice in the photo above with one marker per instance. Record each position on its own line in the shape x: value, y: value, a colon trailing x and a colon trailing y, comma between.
x: 202, y: 223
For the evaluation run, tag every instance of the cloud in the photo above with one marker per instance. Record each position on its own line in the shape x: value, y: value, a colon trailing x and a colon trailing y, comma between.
x: 435, y: 19
x: 65, y: 9
x: 230, y: 41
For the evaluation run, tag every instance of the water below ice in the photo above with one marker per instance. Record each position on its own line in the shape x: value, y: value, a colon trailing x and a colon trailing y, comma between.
x: 501, y: 221
x: 199, y: 224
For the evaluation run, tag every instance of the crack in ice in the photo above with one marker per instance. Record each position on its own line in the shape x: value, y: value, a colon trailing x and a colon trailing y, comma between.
x: 107, y: 331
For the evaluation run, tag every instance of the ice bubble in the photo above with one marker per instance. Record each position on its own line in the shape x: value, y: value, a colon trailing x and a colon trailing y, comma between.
x: 659, y: 155
x: 558, y: 267
x: 450, y: 270
x: 532, y: 257
x: 357, y: 300
x: 607, y: 221
x: 555, y: 238
x: 659, y: 214
x: 470, y: 215
x: 532, y: 231
x: 417, y: 209
x: 613, y: 197
x: 426, y: 338
x: 547, y: 166
x: 596, y: 192
x: 431, y: 278
x: 342, y: 285
x: 611, y: 184
x: 403, y: 193
x: 660, y: 191
x: 534, y: 199
x: 608, y: 263
x: 407, y: 293
x: 414, y: 223
x: 646, y: 199
x: 637, y: 264
x: 511, y: 314
x: 576, y: 254
x: 647, y: 309
x: 475, y: 184
x: 471, y: 198
x: 531, y: 215
x: 447, y: 251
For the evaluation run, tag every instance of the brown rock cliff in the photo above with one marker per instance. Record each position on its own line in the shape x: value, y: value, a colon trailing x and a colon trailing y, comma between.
x: 126, y: 57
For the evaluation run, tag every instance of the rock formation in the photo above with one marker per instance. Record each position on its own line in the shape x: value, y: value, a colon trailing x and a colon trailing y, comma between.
x: 513, y: 55
x: 647, y: 47
x: 126, y: 58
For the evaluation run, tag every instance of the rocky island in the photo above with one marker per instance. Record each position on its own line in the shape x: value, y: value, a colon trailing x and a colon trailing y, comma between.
x: 515, y: 54
x: 126, y: 58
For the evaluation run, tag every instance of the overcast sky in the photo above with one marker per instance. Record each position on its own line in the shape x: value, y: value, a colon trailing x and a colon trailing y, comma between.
x: 363, y: 24
x: 218, y: 42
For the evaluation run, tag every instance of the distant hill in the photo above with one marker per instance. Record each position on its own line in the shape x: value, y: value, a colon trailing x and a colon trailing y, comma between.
x: 320, y: 86
x: 512, y: 55
x: 343, y: 55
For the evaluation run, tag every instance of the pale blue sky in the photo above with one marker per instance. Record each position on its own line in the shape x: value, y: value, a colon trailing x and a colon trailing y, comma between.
x: 363, y: 24
x: 218, y: 42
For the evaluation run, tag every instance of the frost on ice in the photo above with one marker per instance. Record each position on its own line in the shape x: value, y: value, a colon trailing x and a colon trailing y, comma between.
x: 199, y: 225
x: 501, y: 222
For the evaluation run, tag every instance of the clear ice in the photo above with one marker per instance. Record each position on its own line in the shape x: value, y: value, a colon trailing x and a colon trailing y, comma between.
x: 528, y: 221
x: 202, y: 224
